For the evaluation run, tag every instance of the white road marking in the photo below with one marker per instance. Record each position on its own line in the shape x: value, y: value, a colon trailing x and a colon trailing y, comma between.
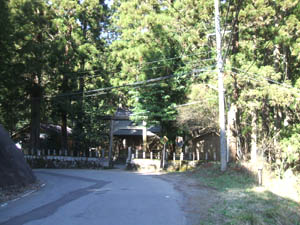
x: 28, y: 193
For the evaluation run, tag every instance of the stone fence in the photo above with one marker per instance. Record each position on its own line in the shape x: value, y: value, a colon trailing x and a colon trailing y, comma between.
x: 96, y: 159
x: 138, y: 154
x: 51, y: 158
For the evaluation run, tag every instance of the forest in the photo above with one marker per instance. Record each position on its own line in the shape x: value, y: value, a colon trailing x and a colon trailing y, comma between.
x: 73, y: 62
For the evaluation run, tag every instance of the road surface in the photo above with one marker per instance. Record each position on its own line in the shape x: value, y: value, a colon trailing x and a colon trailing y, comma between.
x: 96, y: 197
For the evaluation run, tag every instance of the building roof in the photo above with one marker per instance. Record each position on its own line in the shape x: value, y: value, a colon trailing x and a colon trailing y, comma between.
x: 129, y: 128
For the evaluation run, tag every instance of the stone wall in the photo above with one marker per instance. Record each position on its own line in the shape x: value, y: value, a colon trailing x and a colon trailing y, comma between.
x: 155, y: 165
x: 65, y: 162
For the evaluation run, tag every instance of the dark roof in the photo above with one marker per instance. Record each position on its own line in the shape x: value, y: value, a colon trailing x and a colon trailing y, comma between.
x: 132, y: 132
x: 128, y: 128
x: 45, y: 128
x: 55, y: 128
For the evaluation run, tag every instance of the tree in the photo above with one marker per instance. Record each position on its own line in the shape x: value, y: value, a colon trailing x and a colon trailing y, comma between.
x: 150, y: 45
x: 78, y: 54
x: 261, y: 58
x: 30, y: 22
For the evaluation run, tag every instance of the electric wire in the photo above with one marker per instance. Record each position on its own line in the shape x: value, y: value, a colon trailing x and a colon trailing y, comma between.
x: 252, y: 75
x: 134, y: 84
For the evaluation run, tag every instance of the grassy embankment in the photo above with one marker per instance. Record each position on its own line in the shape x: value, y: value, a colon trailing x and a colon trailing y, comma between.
x: 242, y: 201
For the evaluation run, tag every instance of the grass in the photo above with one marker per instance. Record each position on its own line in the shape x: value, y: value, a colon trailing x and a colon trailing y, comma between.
x: 241, y: 201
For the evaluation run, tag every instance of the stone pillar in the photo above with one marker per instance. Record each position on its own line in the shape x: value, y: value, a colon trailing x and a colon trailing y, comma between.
x: 198, y: 154
x: 206, y: 156
x: 181, y: 156
x: 136, y: 154
x: 174, y: 156
x: 164, y: 157
x: 129, y: 155
x: 144, y: 136
x: 151, y: 155
x: 144, y: 155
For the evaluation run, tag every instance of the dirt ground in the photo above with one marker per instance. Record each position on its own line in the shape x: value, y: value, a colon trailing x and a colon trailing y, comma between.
x: 198, y: 198
x: 238, y: 199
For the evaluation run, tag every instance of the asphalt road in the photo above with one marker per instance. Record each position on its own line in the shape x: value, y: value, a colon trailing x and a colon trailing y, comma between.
x: 96, y: 197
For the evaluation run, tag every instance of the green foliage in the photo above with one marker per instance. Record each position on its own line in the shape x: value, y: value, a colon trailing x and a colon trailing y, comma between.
x: 203, y: 111
x: 66, y: 46
x: 239, y: 201
x: 290, y: 147
x: 152, y: 37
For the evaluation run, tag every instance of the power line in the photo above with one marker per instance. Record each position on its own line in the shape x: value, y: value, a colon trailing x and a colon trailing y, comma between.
x: 179, y: 57
x: 142, y: 65
x: 135, y: 84
x: 232, y: 32
x: 149, y: 68
x: 195, y: 102
x: 91, y: 95
x: 265, y: 78
x: 225, y: 24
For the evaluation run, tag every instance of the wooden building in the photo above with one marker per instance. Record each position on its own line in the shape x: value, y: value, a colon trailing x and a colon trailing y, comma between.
x: 127, y: 133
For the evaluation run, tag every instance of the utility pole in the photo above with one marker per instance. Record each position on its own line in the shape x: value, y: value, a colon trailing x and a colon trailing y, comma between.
x: 223, y: 145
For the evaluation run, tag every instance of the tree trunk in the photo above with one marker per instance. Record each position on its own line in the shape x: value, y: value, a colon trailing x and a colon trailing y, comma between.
x: 36, y: 94
x: 64, y: 132
x: 254, y: 137
x: 232, y: 139
x: 233, y: 114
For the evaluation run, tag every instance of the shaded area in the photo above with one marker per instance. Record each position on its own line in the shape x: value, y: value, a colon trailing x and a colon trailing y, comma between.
x: 13, y: 168
x: 50, y: 208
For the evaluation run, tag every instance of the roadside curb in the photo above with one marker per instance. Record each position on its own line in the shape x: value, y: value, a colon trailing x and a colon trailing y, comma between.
x: 23, y: 195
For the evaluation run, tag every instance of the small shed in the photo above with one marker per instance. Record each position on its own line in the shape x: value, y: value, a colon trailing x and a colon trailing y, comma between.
x: 50, y: 136
x: 207, y: 142
x: 129, y: 134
